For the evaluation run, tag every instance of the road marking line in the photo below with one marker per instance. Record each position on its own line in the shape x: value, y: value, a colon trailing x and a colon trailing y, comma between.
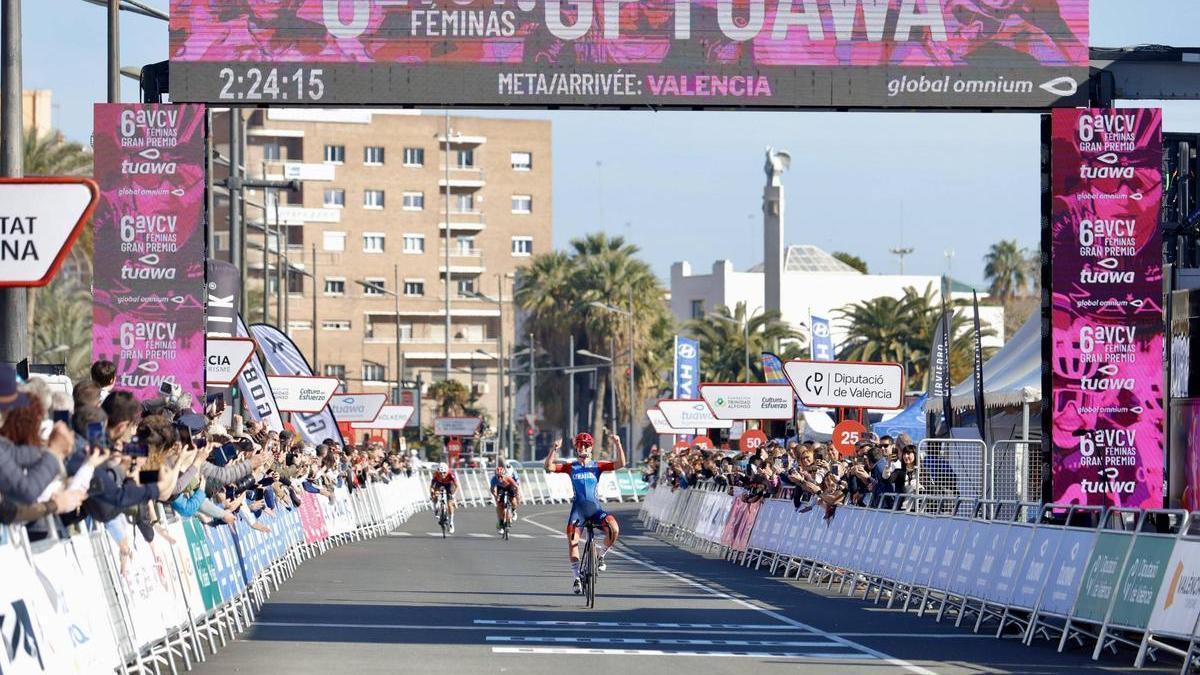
x: 635, y: 624
x: 660, y: 652
x: 433, y: 534
x: 661, y: 641
x: 399, y: 534
x: 776, y: 630
x: 479, y: 535
x: 514, y: 535
x: 901, y: 663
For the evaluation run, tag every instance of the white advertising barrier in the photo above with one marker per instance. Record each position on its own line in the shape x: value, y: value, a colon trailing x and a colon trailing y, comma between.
x: 691, y: 413
x: 847, y: 384
x: 187, y: 576
x: 1177, y: 607
x: 749, y: 401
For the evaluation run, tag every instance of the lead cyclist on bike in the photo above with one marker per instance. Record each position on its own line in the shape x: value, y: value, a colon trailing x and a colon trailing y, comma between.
x: 444, y: 480
x: 504, y: 481
x: 585, y: 506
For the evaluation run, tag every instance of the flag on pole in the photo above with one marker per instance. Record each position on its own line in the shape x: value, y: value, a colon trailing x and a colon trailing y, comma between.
x: 980, y: 409
x: 820, y: 338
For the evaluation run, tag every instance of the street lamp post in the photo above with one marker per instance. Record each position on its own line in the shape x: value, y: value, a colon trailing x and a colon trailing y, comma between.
x: 612, y: 362
x: 499, y: 300
x: 376, y: 288
x: 632, y: 351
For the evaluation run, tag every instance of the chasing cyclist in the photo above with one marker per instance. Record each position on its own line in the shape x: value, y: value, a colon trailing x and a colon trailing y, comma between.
x: 444, y: 479
x: 585, y: 506
x: 505, y: 482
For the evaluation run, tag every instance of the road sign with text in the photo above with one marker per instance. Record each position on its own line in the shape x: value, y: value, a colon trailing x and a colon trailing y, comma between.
x: 357, y: 407
x: 225, y: 358
x: 847, y: 384
x: 41, y: 219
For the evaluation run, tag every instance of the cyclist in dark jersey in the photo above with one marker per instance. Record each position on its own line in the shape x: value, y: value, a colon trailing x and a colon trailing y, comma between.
x: 505, y: 481
x: 585, y: 506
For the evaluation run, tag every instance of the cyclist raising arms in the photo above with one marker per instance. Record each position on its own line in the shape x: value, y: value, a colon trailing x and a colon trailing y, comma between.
x: 444, y: 479
x: 585, y: 506
x: 505, y: 482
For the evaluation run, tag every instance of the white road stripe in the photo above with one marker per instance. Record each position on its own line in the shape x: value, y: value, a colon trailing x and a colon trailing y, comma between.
x: 695, y: 642
x: 399, y: 534
x: 479, y: 535
x: 910, y: 667
x: 433, y: 534
x: 514, y: 535
x: 659, y: 652
x: 635, y: 624
x: 775, y: 631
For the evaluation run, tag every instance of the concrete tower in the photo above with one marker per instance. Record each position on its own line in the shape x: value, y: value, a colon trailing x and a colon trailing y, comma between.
x: 777, y: 162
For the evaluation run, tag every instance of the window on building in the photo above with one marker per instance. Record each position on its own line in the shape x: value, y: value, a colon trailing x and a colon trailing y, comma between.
x: 374, y: 286
x: 464, y: 202
x: 414, y: 201
x: 372, y: 199
x: 466, y: 287
x: 270, y: 151
x: 333, y: 241
x: 335, y: 370
x: 522, y: 204
x: 373, y: 242
x: 466, y: 158
x: 335, y: 154
x: 335, y: 324
x: 466, y: 246
x: 697, y: 309
x: 522, y: 245
x: 414, y: 157
x: 374, y: 372
x: 414, y: 243
x: 373, y: 155
x: 335, y: 286
x: 299, y: 326
x: 413, y: 287
x: 522, y: 161
x: 335, y: 198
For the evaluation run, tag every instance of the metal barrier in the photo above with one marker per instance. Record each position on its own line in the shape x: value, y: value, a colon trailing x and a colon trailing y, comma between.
x: 1016, y: 470
x: 953, y: 468
x: 1066, y: 573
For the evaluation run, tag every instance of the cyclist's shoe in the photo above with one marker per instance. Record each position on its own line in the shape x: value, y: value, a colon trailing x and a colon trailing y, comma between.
x: 500, y: 528
x: 601, y: 565
x: 577, y: 586
x: 514, y: 515
x: 452, y: 527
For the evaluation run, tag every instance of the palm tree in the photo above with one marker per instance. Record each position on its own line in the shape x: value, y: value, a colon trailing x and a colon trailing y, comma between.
x: 724, y: 345
x: 1007, y: 269
x: 452, y: 397
x: 900, y: 330
x: 52, y: 155
x: 561, y: 292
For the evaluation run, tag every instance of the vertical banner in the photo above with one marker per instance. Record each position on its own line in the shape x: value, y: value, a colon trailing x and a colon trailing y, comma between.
x: 1107, y: 315
x: 148, y: 283
x: 980, y: 403
x: 772, y: 368
x: 939, y: 367
x: 284, y: 358
x: 820, y: 338
x: 687, y: 368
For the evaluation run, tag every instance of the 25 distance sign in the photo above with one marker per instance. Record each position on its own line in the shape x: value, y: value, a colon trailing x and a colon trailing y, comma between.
x: 40, y: 221
x: 749, y: 401
x: 847, y: 384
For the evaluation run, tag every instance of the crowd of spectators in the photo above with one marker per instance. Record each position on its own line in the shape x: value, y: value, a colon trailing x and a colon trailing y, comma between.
x: 100, y: 455
x: 879, y: 472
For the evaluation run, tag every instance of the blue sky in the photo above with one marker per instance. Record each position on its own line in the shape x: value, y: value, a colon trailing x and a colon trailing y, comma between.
x: 687, y: 185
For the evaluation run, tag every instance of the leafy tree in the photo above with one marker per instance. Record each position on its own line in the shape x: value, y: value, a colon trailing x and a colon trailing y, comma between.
x: 1007, y: 269
x: 453, y: 398
x: 723, y: 342
x: 852, y: 260
x: 901, y: 329
x: 561, y: 293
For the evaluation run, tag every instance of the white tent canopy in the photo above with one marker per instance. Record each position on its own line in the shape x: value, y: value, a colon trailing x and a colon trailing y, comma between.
x: 1012, y: 377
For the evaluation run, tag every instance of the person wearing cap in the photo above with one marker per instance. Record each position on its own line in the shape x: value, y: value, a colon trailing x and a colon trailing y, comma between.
x: 585, y: 506
x: 25, y: 470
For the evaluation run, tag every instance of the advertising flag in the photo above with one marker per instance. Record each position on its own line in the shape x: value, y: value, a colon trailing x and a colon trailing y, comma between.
x: 148, y: 277
x: 980, y: 408
x: 256, y: 389
x: 820, y: 338
x: 687, y: 368
x: 939, y: 366
x: 1105, y: 415
x: 772, y: 367
x: 283, y: 357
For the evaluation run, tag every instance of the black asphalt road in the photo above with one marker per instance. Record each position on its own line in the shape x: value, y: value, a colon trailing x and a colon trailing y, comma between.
x: 412, y: 602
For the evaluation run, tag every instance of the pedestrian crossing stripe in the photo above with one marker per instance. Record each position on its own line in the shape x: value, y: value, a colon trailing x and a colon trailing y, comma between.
x: 690, y: 642
x: 639, y: 624
x: 580, y: 651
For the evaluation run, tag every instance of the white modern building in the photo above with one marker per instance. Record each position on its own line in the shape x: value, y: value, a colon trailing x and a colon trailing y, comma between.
x: 813, y: 282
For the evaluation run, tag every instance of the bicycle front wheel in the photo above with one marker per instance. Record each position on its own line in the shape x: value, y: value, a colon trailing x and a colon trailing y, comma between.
x: 592, y: 572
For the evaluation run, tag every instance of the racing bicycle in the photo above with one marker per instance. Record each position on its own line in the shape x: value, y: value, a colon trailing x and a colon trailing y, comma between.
x: 588, y: 564
x: 442, y: 510
x: 505, y: 500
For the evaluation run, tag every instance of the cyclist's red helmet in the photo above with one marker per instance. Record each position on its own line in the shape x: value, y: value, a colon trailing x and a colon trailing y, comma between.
x: 583, y: 439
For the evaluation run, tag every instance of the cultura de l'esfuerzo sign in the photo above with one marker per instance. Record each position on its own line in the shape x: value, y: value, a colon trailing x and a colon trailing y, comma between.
x: 762, y: 53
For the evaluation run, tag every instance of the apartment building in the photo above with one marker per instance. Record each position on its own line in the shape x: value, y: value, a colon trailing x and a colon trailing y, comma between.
x: 390, y: 207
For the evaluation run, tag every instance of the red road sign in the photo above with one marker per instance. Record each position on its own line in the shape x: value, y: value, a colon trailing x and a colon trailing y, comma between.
x: 752, y: 440
x: 42, y: 219
x: 846, y: 434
